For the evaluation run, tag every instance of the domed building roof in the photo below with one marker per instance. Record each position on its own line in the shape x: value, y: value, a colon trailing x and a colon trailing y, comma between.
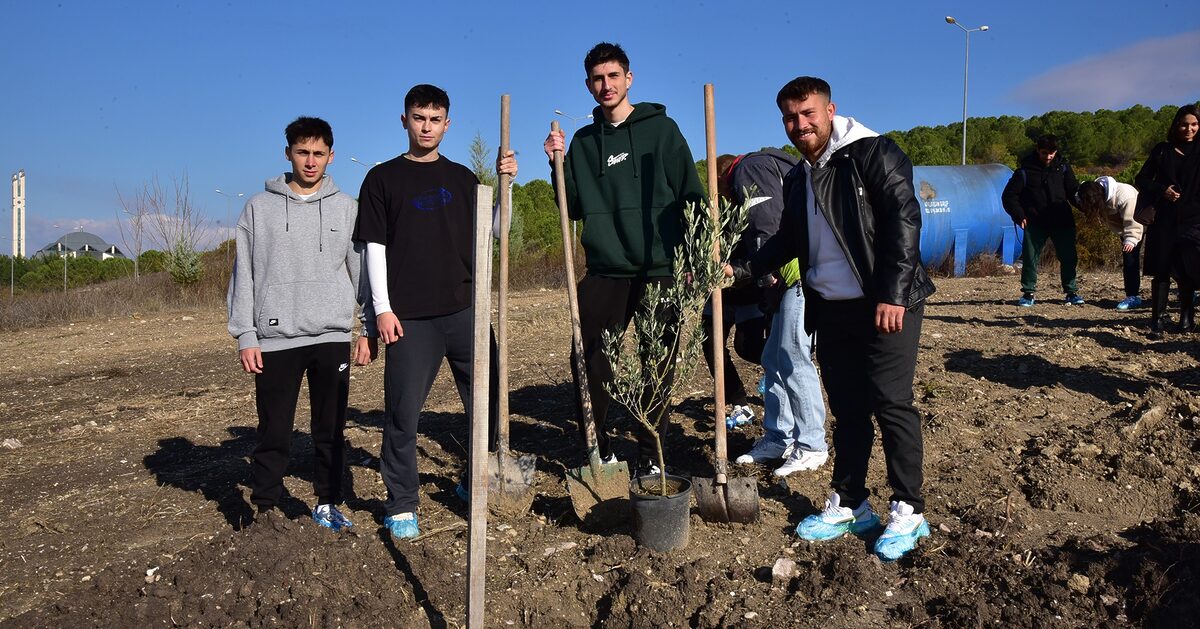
x: 81, y: 242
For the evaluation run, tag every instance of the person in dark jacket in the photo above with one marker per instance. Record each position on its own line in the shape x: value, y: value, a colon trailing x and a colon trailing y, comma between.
x: 1159, y: 186
x: 793, y: 409
x: 1038, y: 197
x: 853, y: 220
x: 747, y: 306
x: 629, y: 176
x: 1185, y: 255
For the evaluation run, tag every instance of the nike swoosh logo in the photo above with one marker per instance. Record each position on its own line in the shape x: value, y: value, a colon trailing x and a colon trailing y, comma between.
x: 343, y: 366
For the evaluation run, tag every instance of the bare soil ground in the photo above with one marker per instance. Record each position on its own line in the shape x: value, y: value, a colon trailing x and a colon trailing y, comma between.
x: 1061, y: 473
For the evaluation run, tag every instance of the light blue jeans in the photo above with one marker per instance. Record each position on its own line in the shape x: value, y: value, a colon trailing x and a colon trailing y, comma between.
x: 794, y: 411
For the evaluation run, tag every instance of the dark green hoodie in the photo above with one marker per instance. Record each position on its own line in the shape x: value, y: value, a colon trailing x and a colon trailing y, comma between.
x: 629, y: 184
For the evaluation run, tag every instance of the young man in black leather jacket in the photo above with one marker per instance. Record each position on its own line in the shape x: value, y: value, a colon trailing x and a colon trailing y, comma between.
x: 853, y: 220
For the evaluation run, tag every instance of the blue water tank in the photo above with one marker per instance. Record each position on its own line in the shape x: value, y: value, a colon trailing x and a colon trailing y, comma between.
x: 961, y: 214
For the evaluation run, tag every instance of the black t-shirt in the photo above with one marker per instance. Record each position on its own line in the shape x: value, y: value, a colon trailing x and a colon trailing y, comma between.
x: 423, y: 212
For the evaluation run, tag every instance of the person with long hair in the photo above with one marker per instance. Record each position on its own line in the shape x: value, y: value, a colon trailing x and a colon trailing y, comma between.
x: 1158, y: 184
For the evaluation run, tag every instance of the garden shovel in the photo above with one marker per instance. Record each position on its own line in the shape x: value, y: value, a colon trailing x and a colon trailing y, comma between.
x: 599, y: 491
x: 510, y: 478
x: 720, y: 499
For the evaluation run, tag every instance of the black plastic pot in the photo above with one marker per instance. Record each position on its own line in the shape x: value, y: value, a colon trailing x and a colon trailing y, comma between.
x: 661, y: 523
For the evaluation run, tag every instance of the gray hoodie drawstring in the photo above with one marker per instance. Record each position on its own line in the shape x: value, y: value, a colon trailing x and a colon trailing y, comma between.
x: 320, y: 225
x: 287, y: 214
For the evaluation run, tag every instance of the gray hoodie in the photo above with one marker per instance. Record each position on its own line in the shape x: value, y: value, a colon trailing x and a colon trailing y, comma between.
x: 296, y: 281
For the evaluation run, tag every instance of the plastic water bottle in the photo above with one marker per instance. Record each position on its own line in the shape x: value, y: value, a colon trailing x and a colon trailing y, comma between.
x: 762, y: 385
x: 740, y: 416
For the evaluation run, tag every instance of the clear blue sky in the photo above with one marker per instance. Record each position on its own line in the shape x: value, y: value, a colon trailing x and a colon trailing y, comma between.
x: 106, y: 95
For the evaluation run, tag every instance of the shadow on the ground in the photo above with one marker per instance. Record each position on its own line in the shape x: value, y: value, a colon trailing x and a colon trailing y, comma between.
x: 215, y: 471
x: 1023, y: 372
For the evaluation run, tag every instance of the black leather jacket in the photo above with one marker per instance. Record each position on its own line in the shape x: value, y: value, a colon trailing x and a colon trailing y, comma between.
x: 866, y: 192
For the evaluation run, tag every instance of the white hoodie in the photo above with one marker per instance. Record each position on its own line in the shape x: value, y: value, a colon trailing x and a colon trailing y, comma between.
x: 829, y: 271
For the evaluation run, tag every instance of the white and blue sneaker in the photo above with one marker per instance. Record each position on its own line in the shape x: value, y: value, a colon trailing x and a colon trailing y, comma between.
x: 903, y: 530
x: 329, y: 517
x: 1026, y: 300
x: 765, y: 449
x: 1129, y: 303
x: 1073, y: 299
x: 835, y: 521
x: 402, y: 525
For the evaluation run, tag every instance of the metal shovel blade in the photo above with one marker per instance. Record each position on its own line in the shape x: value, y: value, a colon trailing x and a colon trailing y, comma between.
x: 510, y: 490
x: 734, y: 501
x: 600, y: 500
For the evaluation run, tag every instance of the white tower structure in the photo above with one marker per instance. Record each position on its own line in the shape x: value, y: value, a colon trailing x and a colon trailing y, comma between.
x: 18, y: 214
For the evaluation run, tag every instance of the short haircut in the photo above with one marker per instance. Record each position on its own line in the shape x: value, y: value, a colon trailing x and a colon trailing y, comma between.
x: 425, y: 95
x: 308, y: 128
x: 1173, y: 132
x: 603, y: 53
x: 1091, y: 196
x: 1047, y: 142
x: 801, y: 88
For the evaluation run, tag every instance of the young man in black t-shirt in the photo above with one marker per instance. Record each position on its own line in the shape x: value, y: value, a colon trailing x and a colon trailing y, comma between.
x: 416, y: 214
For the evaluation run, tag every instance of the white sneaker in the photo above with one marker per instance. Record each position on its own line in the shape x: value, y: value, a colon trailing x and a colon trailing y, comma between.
x: 765, y: 450
x: 904, y: 529
x: 801, y: 460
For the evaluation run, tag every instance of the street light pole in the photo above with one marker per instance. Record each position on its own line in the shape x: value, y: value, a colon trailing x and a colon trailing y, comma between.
x: 966, y: 67
x: 136, y: 222
x: 574, y: 119
x: 575, y: 129
x: 229, y: 197
x: 363, y: 164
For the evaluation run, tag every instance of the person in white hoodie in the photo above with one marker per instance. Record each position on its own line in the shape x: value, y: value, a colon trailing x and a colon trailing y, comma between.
x: 1112, y: 202
x: 853, y: 221
x: 291, y: 299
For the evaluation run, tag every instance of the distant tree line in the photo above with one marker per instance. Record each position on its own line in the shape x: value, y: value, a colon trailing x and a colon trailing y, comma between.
x: 1102, y: 142
x: 39, y: 273
x: 1096, y: 143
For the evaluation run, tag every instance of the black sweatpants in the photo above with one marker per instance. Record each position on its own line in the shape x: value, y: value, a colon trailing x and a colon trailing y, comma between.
x: 867, y: 374
x: 327, y: 366
x: 609, y: 303
x: 1130, y: 269
x: 412, y: 365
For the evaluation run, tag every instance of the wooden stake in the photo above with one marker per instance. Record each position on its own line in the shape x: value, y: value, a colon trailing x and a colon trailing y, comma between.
x: 502, y: 315
x: 480, y: 357
x: 718, y: 314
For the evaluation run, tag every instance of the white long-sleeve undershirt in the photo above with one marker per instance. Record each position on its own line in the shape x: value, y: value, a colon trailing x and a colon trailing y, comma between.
x: 377, y: 273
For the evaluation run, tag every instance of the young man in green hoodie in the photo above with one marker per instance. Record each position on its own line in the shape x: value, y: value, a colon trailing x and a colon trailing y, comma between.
x: 291, y: 308
x: 628, y: 175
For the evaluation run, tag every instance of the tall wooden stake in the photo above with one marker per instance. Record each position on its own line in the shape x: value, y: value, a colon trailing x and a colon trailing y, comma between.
x: 480, y: 368
x: 718, y: 313
x: 502, y: 315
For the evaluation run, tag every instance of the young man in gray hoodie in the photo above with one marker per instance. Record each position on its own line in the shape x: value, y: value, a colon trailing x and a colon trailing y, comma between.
x: 291, y: 301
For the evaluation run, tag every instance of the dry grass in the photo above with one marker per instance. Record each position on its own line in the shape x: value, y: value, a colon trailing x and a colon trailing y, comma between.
x: 544, y: 270
x: 985, y: 265
x: 154, y: 292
